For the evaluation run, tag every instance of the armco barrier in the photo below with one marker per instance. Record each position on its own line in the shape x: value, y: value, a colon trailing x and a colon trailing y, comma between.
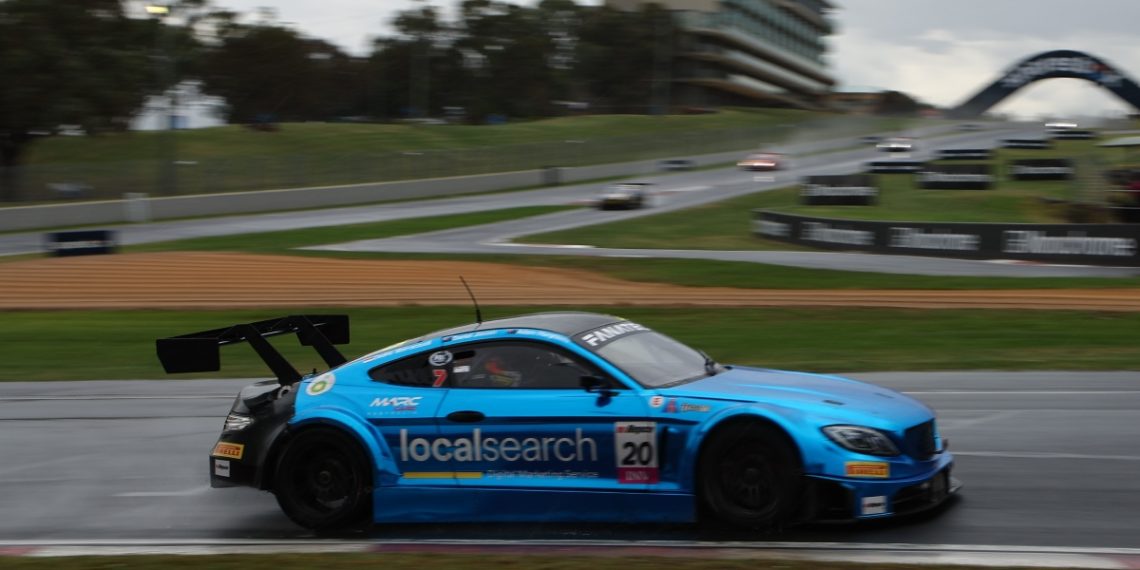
x: 1099, y: 244
x: 19, y: 218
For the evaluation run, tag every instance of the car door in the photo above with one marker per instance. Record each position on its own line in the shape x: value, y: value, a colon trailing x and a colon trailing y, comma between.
x: 517, y: 416
x: 403, y: 406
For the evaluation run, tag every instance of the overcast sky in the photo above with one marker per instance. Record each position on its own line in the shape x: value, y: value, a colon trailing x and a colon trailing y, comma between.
x: 940, y: 51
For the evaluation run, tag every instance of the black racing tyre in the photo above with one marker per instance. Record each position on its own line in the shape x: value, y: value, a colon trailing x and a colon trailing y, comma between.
x: 324, y: 480
x: 749, y: 476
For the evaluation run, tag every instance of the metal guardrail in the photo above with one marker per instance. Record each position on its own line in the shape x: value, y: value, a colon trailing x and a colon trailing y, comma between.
x: 439, y: 173
x: 40, y: 183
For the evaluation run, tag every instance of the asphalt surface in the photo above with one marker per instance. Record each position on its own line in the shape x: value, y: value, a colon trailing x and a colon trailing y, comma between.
x: 1048, y: 459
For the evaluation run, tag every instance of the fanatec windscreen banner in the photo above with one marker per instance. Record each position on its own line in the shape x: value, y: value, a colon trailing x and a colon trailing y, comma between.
x: 839, y: 190
x: 1040, y: 169
x: 955, y: 177
x: 1104, y: 244
x: 964, y: 154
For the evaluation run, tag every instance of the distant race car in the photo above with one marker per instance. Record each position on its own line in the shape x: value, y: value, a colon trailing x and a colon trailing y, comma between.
x: 762, y: 161
x: 624, y: 196
x: 675, y: 164
x: 896, y: 144
x: 1060, y: 125
x: 564, y: 416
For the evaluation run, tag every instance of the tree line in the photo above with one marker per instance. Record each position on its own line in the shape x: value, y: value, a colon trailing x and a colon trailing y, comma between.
x: 94, y: 63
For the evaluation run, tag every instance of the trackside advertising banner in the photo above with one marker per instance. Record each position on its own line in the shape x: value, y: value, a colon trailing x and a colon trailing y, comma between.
x: 1033, y: 144
x: 1041, y: 169
x: 1101, y: 244
x: 82, y: 242
x: 964, y: 154
x: 841, y: 190
x: 955, y: 177
x: 894, y: 166
x: 1073, y: 135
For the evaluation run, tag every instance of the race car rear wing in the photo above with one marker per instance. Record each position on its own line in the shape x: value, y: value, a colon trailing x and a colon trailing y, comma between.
x: 201, y: 351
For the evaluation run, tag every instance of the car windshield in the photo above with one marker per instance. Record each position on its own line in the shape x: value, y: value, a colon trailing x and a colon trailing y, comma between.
x: 655, y: 360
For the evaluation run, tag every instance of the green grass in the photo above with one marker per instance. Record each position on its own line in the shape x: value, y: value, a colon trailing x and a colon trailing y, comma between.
x: 690, y: 272
x: 418, y: 561
x: 333, y: 140
x: 727, y: 224
x: 120, y: 344
x: 233, y: 158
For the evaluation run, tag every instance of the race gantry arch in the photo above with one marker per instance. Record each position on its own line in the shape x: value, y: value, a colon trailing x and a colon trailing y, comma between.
x: 1048, y: 65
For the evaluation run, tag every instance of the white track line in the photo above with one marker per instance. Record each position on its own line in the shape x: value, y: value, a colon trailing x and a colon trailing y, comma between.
x: 984, y: 555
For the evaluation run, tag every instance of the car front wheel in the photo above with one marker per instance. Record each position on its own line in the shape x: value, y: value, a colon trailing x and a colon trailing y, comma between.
x: 749, y: 476
x: 323, y: 480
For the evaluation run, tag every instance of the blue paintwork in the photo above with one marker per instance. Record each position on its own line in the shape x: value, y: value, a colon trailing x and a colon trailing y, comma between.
x: 553, y: 454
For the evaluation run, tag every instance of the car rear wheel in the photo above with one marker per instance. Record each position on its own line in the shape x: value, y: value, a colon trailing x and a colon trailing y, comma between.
x: 323, y: 480
x: 750, y: 476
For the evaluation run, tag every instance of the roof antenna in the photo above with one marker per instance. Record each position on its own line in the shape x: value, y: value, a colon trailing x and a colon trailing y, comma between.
x: 478, y: 313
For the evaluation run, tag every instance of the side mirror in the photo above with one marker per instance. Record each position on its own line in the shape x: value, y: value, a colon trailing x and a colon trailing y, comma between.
x: 597, y: 385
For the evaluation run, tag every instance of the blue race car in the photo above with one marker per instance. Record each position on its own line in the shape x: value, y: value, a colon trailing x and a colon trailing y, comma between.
x: 562, y: 416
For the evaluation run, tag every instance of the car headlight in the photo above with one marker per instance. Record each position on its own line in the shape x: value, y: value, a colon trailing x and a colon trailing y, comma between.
x: 237, y: 422
x: 862, y: 440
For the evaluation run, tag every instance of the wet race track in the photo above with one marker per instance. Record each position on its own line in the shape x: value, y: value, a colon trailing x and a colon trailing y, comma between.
x: 1048, y: 459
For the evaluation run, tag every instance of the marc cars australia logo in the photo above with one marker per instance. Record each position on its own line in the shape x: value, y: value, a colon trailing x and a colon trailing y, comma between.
x: 322, y: 384
x: 397, y: 403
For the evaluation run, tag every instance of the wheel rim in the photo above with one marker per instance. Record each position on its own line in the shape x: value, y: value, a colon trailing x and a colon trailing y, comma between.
x: 325, y: 482
x: 748, y: 481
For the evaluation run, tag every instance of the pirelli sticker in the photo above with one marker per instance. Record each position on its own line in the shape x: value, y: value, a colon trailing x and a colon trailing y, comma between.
x: 869, y: 469
x: 228, y: 450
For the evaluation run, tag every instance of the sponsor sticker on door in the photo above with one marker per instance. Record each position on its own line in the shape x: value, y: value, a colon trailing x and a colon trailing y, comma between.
x: 636, y: 447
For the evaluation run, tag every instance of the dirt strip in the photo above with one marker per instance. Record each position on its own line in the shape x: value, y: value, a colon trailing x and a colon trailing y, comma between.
x: 185, y: 280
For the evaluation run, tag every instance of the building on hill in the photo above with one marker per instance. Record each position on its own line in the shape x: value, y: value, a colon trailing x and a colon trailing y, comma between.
x: 748, y: 52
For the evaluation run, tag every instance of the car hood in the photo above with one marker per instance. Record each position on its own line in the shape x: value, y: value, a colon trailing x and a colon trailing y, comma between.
x: 828, y: 395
